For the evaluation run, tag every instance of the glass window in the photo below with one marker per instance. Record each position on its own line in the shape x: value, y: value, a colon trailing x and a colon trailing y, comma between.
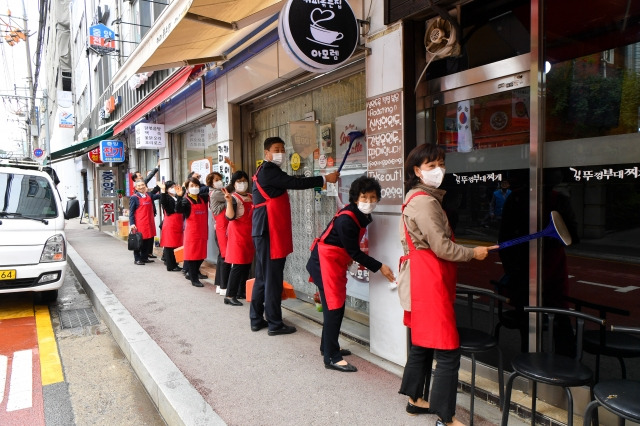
x: 201, y: 151
x: 26, y: 195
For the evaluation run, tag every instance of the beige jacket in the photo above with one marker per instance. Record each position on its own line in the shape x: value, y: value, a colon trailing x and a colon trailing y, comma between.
x: 428, y: 226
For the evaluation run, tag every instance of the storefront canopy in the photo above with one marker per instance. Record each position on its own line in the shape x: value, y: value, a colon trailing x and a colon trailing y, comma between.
x: 164, y: 91
x: 80, y: 148
x: 196, y: 32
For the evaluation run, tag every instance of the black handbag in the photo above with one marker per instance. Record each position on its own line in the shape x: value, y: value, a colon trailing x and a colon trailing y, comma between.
x: 135, y: 241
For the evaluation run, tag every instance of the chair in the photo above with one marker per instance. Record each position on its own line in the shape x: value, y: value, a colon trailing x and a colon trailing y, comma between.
x: 607, y: 343
x: 621, y: 397
x: 549, y: 367
x: 473, y: 340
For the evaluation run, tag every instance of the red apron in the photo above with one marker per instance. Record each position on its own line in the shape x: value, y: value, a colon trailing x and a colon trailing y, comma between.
x: 172, y: 235
x: 280, y: 232
x: 221, y: 231
x: 433, y: 291
x: 240, y: 249
x: 196, y: 231
x: 145, y: 223
x: 334, y: 262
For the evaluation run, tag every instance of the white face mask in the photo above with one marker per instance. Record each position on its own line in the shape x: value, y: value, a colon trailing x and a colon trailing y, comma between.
x: 241, y: 186
x: 432, y: 177
x: 194, y: 191
x: 218, y: 184
x: 172, y: 191
x: 366, y: 208
x: 277, y: 158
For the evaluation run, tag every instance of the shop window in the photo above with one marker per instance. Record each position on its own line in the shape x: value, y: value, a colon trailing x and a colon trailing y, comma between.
x: 201, y: 151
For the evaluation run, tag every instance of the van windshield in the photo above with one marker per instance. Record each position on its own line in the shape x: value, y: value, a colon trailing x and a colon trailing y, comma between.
x: 25, y: 195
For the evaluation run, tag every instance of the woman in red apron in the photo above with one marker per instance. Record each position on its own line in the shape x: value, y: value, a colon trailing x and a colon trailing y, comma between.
x: 429, y: 246
x: 141, y: 219
x: 196, y: 230
x: 218, y: 205
x: 171, y: 235
x: 240, y: 249
x: 331, y: 254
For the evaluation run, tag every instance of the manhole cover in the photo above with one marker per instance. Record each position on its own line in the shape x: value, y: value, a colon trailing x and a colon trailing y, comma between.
x: 77, y: 318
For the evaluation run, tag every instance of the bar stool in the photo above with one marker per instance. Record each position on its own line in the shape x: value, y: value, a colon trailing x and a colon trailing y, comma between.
x: 551, y: 368
x: 621, y: 397
x: 602, y: 342
x: 473, y: 340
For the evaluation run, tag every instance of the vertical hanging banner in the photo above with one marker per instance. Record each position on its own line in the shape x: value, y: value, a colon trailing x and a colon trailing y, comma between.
x: 107, y: 198
x: 385, y: 156
x: 318, y: 35
x: 463, y: 117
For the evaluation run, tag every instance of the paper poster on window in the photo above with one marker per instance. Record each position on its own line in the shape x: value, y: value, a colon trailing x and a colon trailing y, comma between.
x: 303, y: 137
x: 520, y: 107
x: 347, y: 127
x: 195, y: 139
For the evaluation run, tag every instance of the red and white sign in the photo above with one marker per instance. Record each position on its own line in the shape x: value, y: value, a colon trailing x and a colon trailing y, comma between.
x: 94, y: 155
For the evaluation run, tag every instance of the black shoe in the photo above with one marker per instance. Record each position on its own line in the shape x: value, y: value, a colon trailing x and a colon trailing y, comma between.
x: 414, y: 409
x: 343, y: 352
x: 197, y: 284
x: 285, y: 329
x: 202, y: 276
x: 153, y: 256
x: 162, y: 258
x: 174, y: 269
x: 263, y: 324
x: 348, y: 368
x: 232, y: 301
x: 148, y: 261
x: 139, y: 262
x: 187, y: 276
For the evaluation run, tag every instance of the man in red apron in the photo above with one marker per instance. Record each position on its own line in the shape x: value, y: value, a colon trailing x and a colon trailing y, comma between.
x: 141, y: 219
x: 271, y: 232
x: 171, y: 235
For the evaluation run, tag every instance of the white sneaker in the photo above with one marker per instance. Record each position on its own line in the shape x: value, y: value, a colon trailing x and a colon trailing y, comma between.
x: 223, y: 292
x: 217, y: 289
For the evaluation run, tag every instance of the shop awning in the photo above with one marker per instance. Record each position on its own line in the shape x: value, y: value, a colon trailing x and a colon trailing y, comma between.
x: 164, y: 91
x: 193, y: 32
x: 80, y: 148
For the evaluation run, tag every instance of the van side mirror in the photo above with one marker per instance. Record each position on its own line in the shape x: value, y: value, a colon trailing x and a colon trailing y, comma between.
x: 73, y: 209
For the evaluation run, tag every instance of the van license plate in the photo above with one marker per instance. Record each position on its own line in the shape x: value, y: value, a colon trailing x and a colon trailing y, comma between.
x: 7, y: 274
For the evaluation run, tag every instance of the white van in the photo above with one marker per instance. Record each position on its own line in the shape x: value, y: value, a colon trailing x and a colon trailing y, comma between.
x: 33, y: 246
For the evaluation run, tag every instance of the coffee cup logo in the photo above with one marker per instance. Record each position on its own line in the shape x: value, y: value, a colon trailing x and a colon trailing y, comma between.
x: 321, y: 34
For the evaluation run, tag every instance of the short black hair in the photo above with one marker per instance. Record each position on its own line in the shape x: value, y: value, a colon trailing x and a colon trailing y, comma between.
x: 417, y: 156
x: 237, y: 175
x: 193, y: 180
x: 362, y: 185
x: 190, y: 175
x: 134, y: 174
x: 270, y: 141
x: 168, y: 184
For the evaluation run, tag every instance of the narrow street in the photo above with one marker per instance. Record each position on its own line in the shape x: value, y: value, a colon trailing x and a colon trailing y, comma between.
x: 59, y: 365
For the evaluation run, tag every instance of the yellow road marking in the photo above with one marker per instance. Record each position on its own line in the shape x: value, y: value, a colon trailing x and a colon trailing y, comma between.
x: 15, y: 309
x: 51, y: 369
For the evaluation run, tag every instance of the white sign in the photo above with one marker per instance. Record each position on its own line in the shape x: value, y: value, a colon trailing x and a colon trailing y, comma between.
x: 202, y: 167
x: 150, y: 136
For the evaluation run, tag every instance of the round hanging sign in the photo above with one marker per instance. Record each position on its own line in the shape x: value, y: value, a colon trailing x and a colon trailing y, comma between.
x: 318, y: 36
x: 94, y: 155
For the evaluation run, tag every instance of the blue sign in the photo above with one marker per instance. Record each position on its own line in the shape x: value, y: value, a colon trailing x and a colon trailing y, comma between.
x: 102, y: 39
x: 38, y: 152
x: 112, y: 151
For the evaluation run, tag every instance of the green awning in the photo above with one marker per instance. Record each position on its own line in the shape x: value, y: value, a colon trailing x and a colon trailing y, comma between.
x: 80, y: 148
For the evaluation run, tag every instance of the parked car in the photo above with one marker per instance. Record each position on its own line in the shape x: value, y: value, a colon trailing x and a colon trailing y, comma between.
x: 33, y: 245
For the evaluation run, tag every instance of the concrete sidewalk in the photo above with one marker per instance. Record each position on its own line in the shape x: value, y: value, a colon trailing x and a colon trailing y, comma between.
x: 202, y: 364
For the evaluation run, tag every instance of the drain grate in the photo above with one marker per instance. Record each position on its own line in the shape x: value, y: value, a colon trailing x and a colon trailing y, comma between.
x: 77, y: 318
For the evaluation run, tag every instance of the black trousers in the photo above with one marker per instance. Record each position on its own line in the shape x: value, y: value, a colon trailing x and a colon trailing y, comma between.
x: 194, y: 269
x: 266, y: 297
x: 169, y: 258
x: 332, y: 320
x: 145, y: 250
x: 417, y: 375
x: 238, y: 279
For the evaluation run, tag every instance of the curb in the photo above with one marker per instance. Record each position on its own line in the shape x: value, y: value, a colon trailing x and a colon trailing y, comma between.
x: 178, y: 402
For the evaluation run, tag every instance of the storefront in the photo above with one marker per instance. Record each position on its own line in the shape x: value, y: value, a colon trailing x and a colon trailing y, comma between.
x: 537, y: 105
